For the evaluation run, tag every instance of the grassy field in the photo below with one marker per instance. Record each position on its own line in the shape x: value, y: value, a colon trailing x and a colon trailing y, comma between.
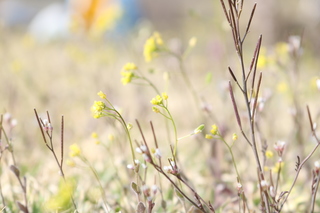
x: 162, y: 120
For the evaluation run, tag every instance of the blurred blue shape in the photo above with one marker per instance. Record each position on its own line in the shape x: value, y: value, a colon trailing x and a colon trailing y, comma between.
x: 53, y: 21
x: 131, y: 15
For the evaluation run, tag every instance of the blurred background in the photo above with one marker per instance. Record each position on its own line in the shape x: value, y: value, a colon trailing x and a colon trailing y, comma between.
x: 56, y: 56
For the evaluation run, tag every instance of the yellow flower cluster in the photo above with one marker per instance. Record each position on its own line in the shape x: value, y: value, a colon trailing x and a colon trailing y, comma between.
x: 102, y: 95
x: 129, y: 67
x: 127, y: 73
x: 152, y: 46
x: 214, y: 131
x: 74, y: 150
x: 97, y: 109
x: 155, y: 109
x: 61, y: 201
x: 157, y: 100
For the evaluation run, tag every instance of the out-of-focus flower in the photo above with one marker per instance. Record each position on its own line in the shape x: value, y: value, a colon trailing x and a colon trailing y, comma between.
x: 279, y: 147
x: 214, y: 129
x: 264, y: 185
x: 128, y: 73
x: 126, y: 77
x: 234, y: 137
x: 102, y: 95
x: 193, y: 42
x: 208, y: 136
x: 157, y: 153
x: 94, y: 135
x: 239, y: 188
x: 111, y: 137
x: 152, y: 46
x: 130, y: 166
x: 279, y: 165
x: 129, y: 67
x: 269, y: 154
x: 282, y: 52
x: 164, y: 96
x: 74, y: 150
x: 282, y: 87
x: 47, y: 125
x: 155, y: 109
x: 263, y: 59
x: 70, y: 163
x: 62, y: 200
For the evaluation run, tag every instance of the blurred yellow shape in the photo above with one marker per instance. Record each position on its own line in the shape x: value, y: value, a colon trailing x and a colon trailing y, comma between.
x: 277, y: 167
x: 62, y: 200
x: 269, y: 154
x: 74, y: 150
x: 94, y: 135
x: 282, y: 87
x: 152, y: 46
x: 16, y: 66
x: 262, y: 61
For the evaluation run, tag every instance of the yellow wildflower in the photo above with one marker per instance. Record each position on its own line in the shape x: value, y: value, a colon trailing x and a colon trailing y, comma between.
x: 111, y: 137
x: 152, y: 46
x: 157, y: 100
x: 97, y: 109
x: 155, y: 109
x: 127, y: 77
x: 269, y: 154
x: 70, y: 163
x: 164, y: 96
x: 214, y: 129
x: 94, y: 135
x: 208, y: 136
x: 129, y: 66
x: 74, y: 150
x: 102, y: 95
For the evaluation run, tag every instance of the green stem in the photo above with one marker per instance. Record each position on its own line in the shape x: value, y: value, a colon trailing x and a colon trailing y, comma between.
x: 98, y: 180
x: 125, y: 128
x: 175, y: 132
